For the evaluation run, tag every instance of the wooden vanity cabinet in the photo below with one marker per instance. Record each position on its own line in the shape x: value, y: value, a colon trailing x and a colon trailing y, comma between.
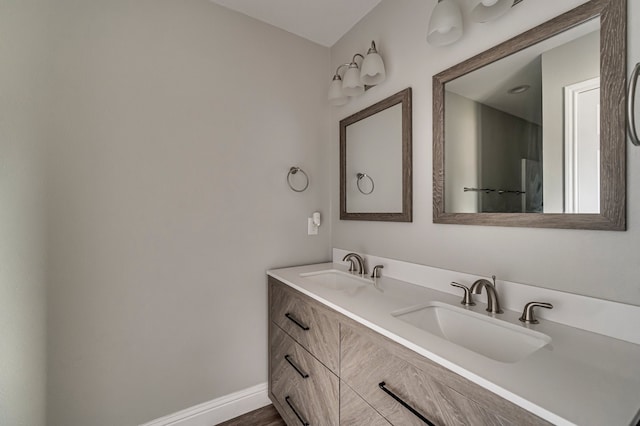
x: 355, y: 410
x: 304, y: 351
x: 312, y: 325
x: 359, y: 376
x: 434, y: 392
x: 303, y: 386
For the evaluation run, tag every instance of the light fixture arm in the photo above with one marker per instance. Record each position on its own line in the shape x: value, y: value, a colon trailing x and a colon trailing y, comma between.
x: 353, y: 60
x: 337, y: 74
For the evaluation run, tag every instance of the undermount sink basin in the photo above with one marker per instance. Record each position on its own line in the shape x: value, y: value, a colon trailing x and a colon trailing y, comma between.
x: 338, y: 280
x: 491, y: 337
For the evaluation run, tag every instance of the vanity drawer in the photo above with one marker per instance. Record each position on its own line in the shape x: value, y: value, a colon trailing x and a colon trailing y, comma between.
x: 300, y: 382
x: 365, y: 365
x: 355, y: 410
x: 310, y: 324
x: 371, y: 364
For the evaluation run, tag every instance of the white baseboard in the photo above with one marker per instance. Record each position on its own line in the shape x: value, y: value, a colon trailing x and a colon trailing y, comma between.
x: 218, y: 410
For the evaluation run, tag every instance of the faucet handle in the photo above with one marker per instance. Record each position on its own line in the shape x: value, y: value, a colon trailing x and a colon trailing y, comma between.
x: 527, y: 314
x: 467, y: 300
x: 376, y: 271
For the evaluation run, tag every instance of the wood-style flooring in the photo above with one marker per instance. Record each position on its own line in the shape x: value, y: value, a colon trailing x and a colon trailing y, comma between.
x: 266, y: 416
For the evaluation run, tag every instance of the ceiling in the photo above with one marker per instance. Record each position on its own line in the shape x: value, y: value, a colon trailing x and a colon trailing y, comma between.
x: 321, y: 21
x: 521, y: 68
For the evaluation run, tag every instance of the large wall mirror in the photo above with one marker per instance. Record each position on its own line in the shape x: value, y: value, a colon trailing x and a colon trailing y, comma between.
x: 375, y: 162
x: 532, y: 132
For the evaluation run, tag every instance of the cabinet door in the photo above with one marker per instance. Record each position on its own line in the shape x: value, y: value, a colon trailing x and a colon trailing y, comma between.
x: 383, y: 380
x: 365, y: 366
x: 301, y: 384
x: 310, y: 324
x: 354, y: 411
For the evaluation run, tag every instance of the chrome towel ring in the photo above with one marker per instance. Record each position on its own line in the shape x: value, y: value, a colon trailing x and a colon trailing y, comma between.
x: 631, y: 99
x: 362, y: 176
x: 293, y: 171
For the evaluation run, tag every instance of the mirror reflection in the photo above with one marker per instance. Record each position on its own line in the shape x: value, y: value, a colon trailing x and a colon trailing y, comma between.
x: 522, y: 133
x: 374, y: 166
x: 375, y: 161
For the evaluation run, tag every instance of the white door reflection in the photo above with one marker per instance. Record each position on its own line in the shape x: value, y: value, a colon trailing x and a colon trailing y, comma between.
x: 582, y: 147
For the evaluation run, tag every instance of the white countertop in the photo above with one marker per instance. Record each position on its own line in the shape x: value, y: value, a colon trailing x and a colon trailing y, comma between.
x: 580, y: 378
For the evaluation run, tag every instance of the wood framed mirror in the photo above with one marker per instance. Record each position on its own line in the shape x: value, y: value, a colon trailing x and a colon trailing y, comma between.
x: 376, y: 162
x: 531, y: 133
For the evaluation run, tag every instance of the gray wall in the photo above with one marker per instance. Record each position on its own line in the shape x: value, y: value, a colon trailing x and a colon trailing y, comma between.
x: 594, y: 263
x: 462, y: 147
x: 374, y: 147
x: 505, y: 140
x: 23, y: 49
x: 173, y: 125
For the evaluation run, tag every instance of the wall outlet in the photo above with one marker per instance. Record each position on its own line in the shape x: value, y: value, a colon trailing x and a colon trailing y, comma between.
x: 312, y: 229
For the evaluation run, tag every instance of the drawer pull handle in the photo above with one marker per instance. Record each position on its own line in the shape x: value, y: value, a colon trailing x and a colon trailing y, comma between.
x: 302, y: 420
x: 300, y: 372
x: 296, y: 322
x: 404, y: 404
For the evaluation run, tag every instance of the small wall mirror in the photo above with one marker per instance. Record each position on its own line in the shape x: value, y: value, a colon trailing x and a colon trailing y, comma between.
x: 375, y: 162
x: 532, y: 132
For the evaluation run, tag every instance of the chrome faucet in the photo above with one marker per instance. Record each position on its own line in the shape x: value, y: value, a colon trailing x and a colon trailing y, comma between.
x: 493, y: 303
x: 359, y: 261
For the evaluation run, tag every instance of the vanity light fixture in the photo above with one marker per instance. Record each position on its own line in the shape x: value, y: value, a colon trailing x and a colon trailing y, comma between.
x: 356, y: 79
x: 336, y: 97
x: 445, y: 25
x: 351, y: 84
x: 487, y: 10
x: 373, y: 72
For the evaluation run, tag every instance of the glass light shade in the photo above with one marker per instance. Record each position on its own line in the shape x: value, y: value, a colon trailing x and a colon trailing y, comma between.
x: 445, y: 25
x: 336, y: 97
x: 351, y: 83
x: 373, y: 71
x: 486, y: 10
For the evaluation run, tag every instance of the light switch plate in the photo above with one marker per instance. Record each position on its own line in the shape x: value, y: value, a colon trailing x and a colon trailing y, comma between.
x: 311, y: 228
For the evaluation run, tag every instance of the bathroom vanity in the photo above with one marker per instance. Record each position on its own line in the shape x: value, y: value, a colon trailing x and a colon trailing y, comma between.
x: 345, y: 349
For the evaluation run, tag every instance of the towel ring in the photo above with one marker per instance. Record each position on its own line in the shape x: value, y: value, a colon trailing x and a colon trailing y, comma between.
x: 293, y: 171
x: 362, y: 176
